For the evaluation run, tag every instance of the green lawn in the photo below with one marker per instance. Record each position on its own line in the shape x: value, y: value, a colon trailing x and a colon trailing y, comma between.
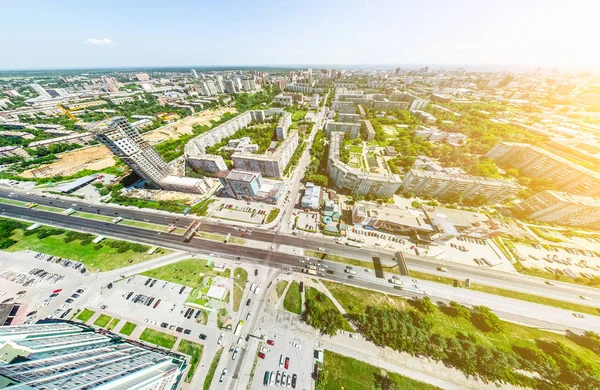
x: 97, y: 257
x: 281, y: 287
x: 272, y: 215
x: 194, y: 350
x: 113, y: 323
x: 341, y: 372
x: 298, y: 115
x: 158, y: 338
x: 312, y: 294
x: 355, y: 149
x: 211, y: 370
x: 128, y: 328
x: 293, y: 300
x: 189, y: 272
x: 86, y: 315
x: 241, y: 276
x: 238, y: 293
x: 354, y: 300
x: 103, y: 320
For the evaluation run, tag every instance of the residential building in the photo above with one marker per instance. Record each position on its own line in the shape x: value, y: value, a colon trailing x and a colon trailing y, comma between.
x: 78, y: 138
x: 208, y: 88
x: 248, y: 185
x: 355, y: 180
x: 229, y: 86
x: 283, y: 125
x: 458, y: 186
x: 10, y: 151
x: 435, y: 135
x: 283, y: 100
x: 538, y: 163
x: 388, y: 105
x: 312, y: 197
x: 126, y: 143
x: 68, y: 356
x: 142, y: 76
x: 348, y: 118
x: 16, y: 134
x: 563, y: 209
x: 303, y: 88
x: 42, y: 93
x: 12, y: 313
x: 314, y: 101
x: 207, y: 162
x: 361, y: 111
x: 418, y: 104
x: 249, y: 84
x: 424, y: 117
x: 352, y: 130
x: 194, y: 73
x: 343, y: 106
x: 368, y: 132
x: 270, y: 164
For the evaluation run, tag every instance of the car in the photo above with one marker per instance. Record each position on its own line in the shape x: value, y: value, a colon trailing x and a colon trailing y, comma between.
x: 272, y: 379
x: 198, y: 314
x: 69, y: 300
x: 187, y: 331
x: 220, y: 340
x: 149, y: 301
x: 235, y: 353
x: 153, y: 283
x: 202, y: 336
x: 287, y: 363
x: 148, y: 281
x: 578, y: 315
x: 584, y: 297
x: 248, y: 315
x: 270, y: 342
x: 255, y: 272
x: 289, y: 381
x: 294, y: 380
x: 164, y: 325
x: 281, y: 361
x: 103, y: 307
x: 257, y: 290
x: 129, y: 295
x: 63, y: 315
x: 261, y: 355
x: 80, y: 291
x: 182, y: 290
x: 223, y: 374
x: 248, y: 302
x: 266, y: 379
x: 156, y: 304
x: 278, y: 378
x: 549, y: 283
x: 179, y: 329
x: 171, y: 327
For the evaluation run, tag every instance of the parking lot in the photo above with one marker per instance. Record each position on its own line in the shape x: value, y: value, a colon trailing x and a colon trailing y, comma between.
x: 560, y: 260
x: 307, y: 221
x: 248, y: 212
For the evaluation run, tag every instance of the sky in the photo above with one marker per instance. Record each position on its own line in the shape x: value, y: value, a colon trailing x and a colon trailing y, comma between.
x: 41, y: 34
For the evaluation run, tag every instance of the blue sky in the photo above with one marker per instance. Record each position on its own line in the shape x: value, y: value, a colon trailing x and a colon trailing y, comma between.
x: 57, y: 34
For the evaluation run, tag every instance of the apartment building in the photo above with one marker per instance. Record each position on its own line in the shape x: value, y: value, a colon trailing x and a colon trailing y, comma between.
x: 352, y: 130
x: 69, y: 356
x: 348, y: 118
x: 424, y: 117
x: 343, y: 107
x: 207, y: 162
x: 536, y: 162
x: 208, y: 88
x: 563, y: 209
x: 283, y: 100
x: 367, y: 130
x: 303, y: 88
x: 354, y: 179
x: 13, y: 151
x: 125, y: 142
x: 435, y: 135
x: 77, y: 138
x: 270, y: 164
x: 284, y: 123
x: 463, y: 186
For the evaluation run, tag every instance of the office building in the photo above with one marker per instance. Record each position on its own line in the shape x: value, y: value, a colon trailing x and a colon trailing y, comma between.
x: 312, y: 197
x: 563, y: 209
x: 538, y: 163
x: 269, y: 164
x: 248, y: 185
x: 126, y: 143
x: 352, y: 130
x: 207, y: 162
x: 283, y: 100
x: 68, y: 356
x: 458, y: 186
x: 355, y: 180
x: 283, y: 125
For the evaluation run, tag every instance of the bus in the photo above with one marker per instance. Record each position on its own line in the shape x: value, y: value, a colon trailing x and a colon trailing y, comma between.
x: 238, y: 328
x: 117, y: 220
x: 354, y: 244
x: 152, y: 250
x: 171, y: 228
x: 69, y: 211
x: 228, y: 237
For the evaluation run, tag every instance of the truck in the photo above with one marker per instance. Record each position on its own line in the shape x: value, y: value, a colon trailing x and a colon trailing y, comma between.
x: 171, y: 228
x: 310, y: 271
x: 31, y: 205
x: 117, y: 220
x: 349, y: 271
x: 310, y: 266
x: 442, y: 269
x: 354, y: 244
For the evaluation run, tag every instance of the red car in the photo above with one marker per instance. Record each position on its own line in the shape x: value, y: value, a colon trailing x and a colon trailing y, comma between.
x: 270, y: 342
x: 287, y: 362
x: 57, y: 291
x: 156, y: 304
x: 261, y: 355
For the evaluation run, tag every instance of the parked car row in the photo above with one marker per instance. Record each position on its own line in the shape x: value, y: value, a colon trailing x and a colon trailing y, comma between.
x: 142, y: 299
x: 64, y: 262
x: 471, y: 240
x: 280, y: 379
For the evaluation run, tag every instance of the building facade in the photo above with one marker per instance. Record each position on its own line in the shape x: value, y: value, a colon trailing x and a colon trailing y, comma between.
x: 350, y: 129
x: 284, y: 123
x: 207, y: 162
x: 270, y: 164
x: 563, y: 209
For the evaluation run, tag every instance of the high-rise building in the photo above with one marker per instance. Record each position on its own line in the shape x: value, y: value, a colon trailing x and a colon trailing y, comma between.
x: 208, y: 88
x: 127, y: 144
x: 40, y: 91
x: 229, y: 86
x: 69, y: 356
x: 194, y: 73
x: 283, y: 125
x: 142, y: 76
x: 563, y: 209
x: 538, y: 163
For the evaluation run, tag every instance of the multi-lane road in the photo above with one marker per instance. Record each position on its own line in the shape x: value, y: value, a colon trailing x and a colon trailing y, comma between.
x: 510, y: 309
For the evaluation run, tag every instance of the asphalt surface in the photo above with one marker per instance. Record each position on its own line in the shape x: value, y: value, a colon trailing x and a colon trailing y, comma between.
x: 517, y: 282
x: 509, y: 309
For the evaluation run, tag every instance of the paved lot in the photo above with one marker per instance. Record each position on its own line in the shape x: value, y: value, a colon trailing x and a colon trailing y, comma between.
x: 242, y: 211
x: 559, y: 258
x: 308, y: 221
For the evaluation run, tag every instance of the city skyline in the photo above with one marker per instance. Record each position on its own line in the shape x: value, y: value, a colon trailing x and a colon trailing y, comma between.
x: 386, y: 33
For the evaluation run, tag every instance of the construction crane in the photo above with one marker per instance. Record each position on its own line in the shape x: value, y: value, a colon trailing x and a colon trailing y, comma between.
x: 68, y: 113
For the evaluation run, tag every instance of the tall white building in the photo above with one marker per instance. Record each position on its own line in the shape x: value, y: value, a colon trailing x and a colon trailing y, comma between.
x: 194, y: 73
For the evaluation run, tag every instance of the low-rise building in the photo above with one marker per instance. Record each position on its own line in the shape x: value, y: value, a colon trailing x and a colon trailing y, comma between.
x: 13, y: 151
x: 78, y: 138
x: 563, y: 209
x: 283, y: 100
x: 461, y: 186
x: 435, y: 135
x: 312, y: 197
x: 248, y: 185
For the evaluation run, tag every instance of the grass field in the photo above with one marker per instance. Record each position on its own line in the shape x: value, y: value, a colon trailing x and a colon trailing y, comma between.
x: 211, y: 370
x: 194, y: 350
x: 189, y: 272
x: 128, y: 328
x: 241, y: 276
x: 158, y: 338
x: 113, y: 324
x: 238, y: 293
x: 355, y: 149
x: 86, y: 315
x: 103, y: 320
x: 341, y: 372
x: 354, y: 300
x: 324, y: 303
x: 272, y: 215
x: 293, y: 300
x: 281, y: 287
x: 102, y: 259
x: 298, y: 115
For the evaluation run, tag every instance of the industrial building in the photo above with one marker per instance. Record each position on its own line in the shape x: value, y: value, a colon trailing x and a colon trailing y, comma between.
x: 536, y: 162
x: 68, y: 356
x: 562, y: 208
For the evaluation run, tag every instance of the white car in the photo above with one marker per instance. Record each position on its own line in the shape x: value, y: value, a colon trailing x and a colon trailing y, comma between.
x: 220, y: 340
x: 257, y: 290
x: 222, y: 378
x: 585, y: 298
x: 281, y: 360
x: 248, y: 315
x: 235, y: 353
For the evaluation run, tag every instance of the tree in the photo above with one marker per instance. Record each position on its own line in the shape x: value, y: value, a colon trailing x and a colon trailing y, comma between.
x: 483, y: 318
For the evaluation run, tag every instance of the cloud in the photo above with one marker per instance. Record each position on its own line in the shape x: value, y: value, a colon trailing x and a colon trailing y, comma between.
x: 99, y: 42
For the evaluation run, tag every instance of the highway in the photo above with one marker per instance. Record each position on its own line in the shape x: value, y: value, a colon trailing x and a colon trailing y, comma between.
x: 510, y: 309
x: 563, y: 291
